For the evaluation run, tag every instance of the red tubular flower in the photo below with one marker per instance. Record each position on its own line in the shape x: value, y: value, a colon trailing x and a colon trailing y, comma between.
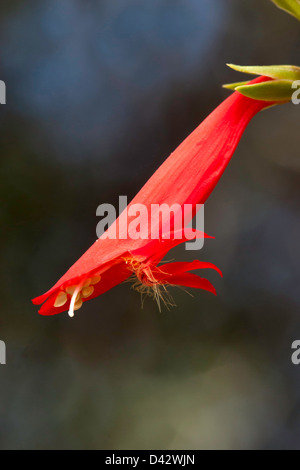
x: 188, y: 176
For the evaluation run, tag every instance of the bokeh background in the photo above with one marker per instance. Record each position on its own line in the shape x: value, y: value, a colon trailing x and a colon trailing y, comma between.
x: 98, y: 94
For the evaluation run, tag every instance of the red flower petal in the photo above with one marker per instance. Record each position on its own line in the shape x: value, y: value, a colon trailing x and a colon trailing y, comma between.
x: 192, y: 171
x: 182, y: 267
x: 192, y: 280
x: 155, y: 250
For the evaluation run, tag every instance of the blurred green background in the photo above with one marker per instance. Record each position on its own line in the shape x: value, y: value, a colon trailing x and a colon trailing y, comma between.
x: 98, y: 94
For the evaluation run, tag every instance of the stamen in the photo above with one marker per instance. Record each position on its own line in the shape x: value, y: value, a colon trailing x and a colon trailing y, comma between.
x: 74, y: 300
x: 95, y: 280
x: 78, y: 297
x: 87, y: 282
x: 82, y: 290
x: 70, y: 290
x: 87, y: 291
x: 61, y: 299
x: 78, y: 304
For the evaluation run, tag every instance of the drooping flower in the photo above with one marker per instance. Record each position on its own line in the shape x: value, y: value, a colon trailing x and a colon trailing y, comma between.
x: 188, y: 176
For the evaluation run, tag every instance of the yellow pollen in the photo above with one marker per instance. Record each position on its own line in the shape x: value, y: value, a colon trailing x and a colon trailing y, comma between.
x: 78, y: 304
x: 87, y: 291
x: 70, y: 290
x: 86, y: 282
x: 61, y: 299
x: 95, y: 280
x: 78, y: 292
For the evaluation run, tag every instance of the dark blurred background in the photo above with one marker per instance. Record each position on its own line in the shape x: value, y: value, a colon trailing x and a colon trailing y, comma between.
x: 98, y: 94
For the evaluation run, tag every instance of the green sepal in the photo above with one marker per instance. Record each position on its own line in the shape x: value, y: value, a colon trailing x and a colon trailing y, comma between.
x: 285, y: 72
x: 274, y: 90
x: 233, y: 86
x: 290, y: 6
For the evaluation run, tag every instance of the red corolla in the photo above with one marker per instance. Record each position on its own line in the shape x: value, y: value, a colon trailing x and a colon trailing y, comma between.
x: 187, y: 176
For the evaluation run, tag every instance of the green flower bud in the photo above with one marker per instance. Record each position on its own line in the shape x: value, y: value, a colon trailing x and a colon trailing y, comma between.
x: 280, y: 89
